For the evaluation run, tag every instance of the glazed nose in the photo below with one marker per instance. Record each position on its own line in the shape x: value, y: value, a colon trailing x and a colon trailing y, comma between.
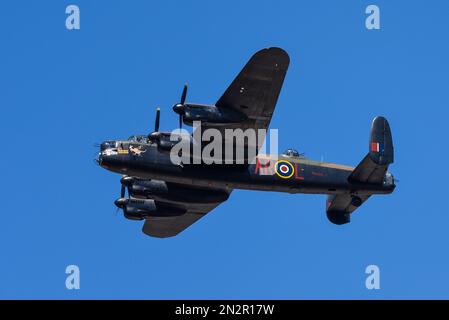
x: 104, y: 146
x: 107, y: 144
x: 99, y: 159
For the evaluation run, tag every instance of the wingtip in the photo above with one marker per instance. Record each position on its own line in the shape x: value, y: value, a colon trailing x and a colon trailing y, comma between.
x: 277, y: 50
x: 278, y: 54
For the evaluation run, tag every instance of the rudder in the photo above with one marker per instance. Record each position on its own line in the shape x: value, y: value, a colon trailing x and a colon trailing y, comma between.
x: 381, y: 142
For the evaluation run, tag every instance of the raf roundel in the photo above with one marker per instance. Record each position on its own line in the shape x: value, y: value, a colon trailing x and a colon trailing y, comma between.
x: 284, y: 169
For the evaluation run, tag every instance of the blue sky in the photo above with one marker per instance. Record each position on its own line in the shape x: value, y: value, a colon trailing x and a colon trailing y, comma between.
x: 62, y: 91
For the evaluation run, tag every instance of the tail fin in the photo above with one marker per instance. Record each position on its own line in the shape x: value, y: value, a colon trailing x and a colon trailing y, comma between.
x: 373, y: 167
x: 381, y: 143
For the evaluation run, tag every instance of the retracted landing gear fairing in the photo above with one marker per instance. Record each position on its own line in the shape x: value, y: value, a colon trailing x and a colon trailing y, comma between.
x: 170, y: 197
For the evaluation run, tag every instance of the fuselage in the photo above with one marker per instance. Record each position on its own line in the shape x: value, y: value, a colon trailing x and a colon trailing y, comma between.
x: 266, y: 173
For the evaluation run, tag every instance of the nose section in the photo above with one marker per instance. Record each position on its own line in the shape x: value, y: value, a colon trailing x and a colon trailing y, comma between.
x: 99, y: 159
x: 106, y: 155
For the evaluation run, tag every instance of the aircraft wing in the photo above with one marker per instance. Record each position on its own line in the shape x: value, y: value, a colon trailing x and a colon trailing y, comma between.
x: 255, y: 91
x: 169, y: 226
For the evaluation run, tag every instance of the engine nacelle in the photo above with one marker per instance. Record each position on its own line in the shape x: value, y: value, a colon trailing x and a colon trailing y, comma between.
x: 131, y: 213
x: 210, y: 114
x: 139, y: 209
x: 162, y: 191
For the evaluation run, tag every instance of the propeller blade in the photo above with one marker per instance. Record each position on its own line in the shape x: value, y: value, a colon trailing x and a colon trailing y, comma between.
x: 184, y: 94
x: 158, y: 116
x: 122, y: 191
x: 179, y: 107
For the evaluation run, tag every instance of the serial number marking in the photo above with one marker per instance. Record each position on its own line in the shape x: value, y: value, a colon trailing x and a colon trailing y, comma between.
x: 245, y: 309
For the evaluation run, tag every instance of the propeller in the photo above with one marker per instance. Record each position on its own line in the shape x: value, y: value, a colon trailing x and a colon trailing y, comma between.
x: 179, y: 107
x: 158, y: 117
x: 155, y: 134
x: 122, y: 191
x: 125, y: 182
x: 120, y: 203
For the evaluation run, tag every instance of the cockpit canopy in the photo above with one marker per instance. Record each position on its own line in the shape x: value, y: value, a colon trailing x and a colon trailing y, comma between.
x: 108, y: 145
x: 292, y: 153
x: 138, y: 138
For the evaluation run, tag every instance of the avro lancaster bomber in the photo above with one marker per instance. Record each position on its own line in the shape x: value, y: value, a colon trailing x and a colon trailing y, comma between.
x: 169, y: 197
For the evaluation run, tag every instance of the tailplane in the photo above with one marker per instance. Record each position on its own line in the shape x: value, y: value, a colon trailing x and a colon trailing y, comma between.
x: 371, y: 170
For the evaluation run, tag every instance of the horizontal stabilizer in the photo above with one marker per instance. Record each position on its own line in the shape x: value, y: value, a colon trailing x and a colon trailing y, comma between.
x: 339, y: 207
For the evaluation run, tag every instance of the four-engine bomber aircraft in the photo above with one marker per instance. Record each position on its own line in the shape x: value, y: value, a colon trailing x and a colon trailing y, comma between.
x: 170, y: 197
